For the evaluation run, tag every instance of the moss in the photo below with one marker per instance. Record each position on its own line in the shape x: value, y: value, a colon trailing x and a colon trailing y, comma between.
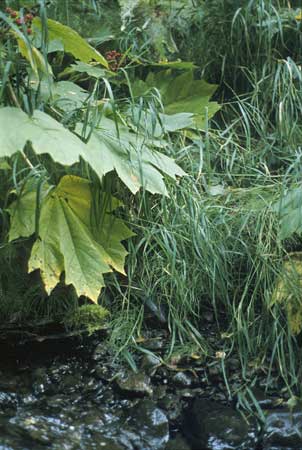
x: 87, y: 317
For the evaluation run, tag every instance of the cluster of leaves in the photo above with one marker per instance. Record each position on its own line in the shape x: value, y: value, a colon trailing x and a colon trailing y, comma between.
x: 158, y: 29
x: 63, y: 136
x: 268, y: 31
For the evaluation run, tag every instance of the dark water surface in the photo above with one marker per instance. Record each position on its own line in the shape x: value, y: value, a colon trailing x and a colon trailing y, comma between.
x: 71, y: 395
x: 68, y: 394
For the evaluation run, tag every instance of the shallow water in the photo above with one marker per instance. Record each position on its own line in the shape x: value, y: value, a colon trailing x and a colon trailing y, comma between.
x: 51, y: 397
x: 68, y: 394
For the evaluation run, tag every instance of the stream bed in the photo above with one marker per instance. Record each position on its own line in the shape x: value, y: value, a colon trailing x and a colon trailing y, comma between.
x: 69, y: 395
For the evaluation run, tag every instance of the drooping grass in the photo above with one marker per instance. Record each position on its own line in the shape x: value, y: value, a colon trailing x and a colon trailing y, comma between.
x: 197, y: 253
x: 214, y: 243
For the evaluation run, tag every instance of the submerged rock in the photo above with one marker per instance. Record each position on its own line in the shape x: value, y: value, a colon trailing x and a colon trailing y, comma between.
x: 135, y: 384
x: 210, y: 425
x: 282, y: 430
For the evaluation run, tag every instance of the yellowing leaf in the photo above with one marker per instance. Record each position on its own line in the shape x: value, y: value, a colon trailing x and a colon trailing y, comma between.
x: 72, y: 41
x: 288, y: 291
x: 35, y: 58
x: 72, y: 238
x: 299, y: 15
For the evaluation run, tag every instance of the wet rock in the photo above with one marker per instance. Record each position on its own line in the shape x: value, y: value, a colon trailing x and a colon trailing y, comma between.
x: 56, y: 402
x: 149, y: 426
x: 162, y: 375
x: 283, y: 430
x: 100, y: 352
x: 103, y: 372
x: 160, y: 391
x: 177, y: 443
x: 135, y: 384
x: 150, y: 361
x: 29, y: 399
x: 8, y: 400
x: 44, y: 430
x: 104, y: 443
x: 181, y: 379
x: 41, y: 382
x: 71, y: 383
x: 210, y: 425
x: 154, y: 344
x: 172, y: 405
x: 187, y: 393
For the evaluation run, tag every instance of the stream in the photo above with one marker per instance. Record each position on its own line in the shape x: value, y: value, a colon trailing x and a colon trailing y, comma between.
x: 68, y: 394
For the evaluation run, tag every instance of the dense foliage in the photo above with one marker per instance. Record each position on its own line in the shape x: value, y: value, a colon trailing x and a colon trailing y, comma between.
x: 69, y: 115
x: 122, y: 143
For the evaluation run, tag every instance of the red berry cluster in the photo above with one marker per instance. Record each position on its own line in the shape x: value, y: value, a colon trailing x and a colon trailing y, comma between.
x: 26, y: 19
x: 114, y: 59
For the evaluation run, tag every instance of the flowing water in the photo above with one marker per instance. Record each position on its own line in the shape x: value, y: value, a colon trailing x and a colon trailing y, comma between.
x: 70, y: 394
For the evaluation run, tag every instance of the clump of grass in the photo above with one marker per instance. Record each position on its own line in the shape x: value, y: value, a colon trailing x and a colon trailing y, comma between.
x: 198, y: 253
x: 258, y: 34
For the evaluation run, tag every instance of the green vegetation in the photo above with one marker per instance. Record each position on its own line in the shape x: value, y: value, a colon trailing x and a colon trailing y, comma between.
x: 180, y: 149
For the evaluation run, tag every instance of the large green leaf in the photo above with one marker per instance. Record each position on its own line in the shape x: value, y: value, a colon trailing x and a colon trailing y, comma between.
x: 72, y: 238
x: 73, y: 43
x: 23, y: 210
x: 180, y: 94
x: 64, y: 95
x: 135, y: 163
x: 129, y: 155
x: 90, y: 69
x: 45, y: 134
x: 289, y: 209
x: 67, y: 95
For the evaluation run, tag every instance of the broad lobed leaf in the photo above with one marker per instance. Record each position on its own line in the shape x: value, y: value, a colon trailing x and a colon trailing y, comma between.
x: 181, y: 95
x: 72, y: 239
x: 135, y: 163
